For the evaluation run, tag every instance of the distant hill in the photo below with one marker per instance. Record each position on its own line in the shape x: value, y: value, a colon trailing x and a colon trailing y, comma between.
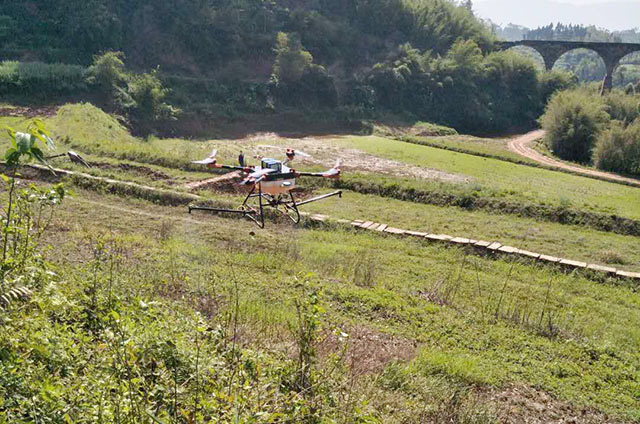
x: 616, y: 15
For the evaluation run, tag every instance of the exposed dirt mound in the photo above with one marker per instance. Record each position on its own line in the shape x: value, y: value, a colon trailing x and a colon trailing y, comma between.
x: 227, y: 183
x: 369, y: 351
x: 519, y: 404
x: 29, y: 112
x: 155, y: 175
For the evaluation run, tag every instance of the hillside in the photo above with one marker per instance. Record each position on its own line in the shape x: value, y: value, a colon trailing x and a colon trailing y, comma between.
x: 223, y: 38
x: 342, y: 61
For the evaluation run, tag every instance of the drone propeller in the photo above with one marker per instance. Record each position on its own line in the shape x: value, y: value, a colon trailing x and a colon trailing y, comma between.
x: 211, y: 160
x: 332, y: 173
x: 257, y: 176
x: 335, y: 171
x: 303, y: 154
x: 291, y: 154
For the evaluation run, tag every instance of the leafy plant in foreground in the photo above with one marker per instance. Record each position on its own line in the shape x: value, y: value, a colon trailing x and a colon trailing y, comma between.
x: 28, y: 213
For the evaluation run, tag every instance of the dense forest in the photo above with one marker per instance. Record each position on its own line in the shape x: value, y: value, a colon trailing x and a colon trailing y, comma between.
x: 417, y: 60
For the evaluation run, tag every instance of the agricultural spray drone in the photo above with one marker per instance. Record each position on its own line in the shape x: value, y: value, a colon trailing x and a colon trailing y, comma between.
x: 270, y: 184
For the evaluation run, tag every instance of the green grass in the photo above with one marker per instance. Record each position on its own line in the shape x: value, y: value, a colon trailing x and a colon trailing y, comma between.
x: 590, y: 360
x: 87, y: 129
x: 493, y: 147
x: 448, y: 330
x: 16, y: 123
x: 510, y: 180
x: 568, y: 241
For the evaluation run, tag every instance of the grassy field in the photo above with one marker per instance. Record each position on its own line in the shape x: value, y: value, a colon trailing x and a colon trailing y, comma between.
x: 485, y: 177
x: 495, y: 147
x: 569, y: 241
x: 143, y: 313
x: 509, y: 179
x: 464, y: 323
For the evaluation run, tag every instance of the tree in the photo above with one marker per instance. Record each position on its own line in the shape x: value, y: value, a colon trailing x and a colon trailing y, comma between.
x: 295, y: 80
x: 148, y: 96
x: 291, y: 59
x: 109, y: 75
x: 618, y: 149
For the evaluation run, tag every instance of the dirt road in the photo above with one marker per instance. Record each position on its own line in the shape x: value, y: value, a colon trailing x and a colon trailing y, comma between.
x: 522, y: 146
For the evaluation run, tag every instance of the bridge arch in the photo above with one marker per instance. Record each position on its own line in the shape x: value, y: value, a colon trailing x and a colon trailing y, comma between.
x: 611, y: 53
x: 563, y: 62
x: 530, y: 53
x: 620, y: 76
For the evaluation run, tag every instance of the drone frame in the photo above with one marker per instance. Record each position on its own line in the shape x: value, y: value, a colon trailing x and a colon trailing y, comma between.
x: 256, y: 214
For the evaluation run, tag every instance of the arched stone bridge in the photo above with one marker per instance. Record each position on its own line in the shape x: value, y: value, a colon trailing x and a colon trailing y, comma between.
x: 611, y: 53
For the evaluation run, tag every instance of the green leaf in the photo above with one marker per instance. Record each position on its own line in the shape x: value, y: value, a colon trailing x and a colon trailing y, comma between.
x: 12, y: 136
x: 24, y: 142
x: 49, y: 142
x: 9, y: 152
x: 13, y: 158
x: 40, y: 126
x: 46, y: 140
x: 39, y: 155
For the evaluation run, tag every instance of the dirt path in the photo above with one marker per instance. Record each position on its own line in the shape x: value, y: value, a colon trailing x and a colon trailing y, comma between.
x: 522, y: 146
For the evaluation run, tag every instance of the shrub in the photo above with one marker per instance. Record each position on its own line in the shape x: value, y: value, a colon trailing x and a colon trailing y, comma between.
x: 148, y: 94
x: 512, y: 83
x: 573, y: 120
x: 622, y: 107
x: 291, y: 59
x: 427, y: 129
x: 108, y: 74
x: 553, y: 81
x: 630, y: 89
x: 618, y: 149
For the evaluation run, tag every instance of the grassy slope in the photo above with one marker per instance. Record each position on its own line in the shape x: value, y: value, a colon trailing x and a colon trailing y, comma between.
x: 385, y: 282
x: 473, y: 145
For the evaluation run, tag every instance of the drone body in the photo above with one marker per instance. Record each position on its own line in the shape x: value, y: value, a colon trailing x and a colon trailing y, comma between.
x: 278, y: 177
x: 271, y: 184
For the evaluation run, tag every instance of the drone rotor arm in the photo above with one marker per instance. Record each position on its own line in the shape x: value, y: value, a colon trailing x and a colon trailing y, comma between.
x: 332, y: 173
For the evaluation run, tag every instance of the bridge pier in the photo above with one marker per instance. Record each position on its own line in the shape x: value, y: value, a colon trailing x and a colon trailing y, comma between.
x: 607, y: 83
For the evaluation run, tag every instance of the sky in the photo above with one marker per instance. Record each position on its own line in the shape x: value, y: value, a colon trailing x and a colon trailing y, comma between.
x: 609, y: 14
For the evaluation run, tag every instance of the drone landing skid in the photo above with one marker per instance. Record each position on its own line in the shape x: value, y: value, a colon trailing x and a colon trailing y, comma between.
x: 256, y: 213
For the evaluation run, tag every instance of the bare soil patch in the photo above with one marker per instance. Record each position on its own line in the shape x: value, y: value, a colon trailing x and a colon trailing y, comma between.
x: 155, y: 175
x: 521, y: 404
x: 368, y: 351
x: 227, y: 183
x: 324, y: 153
x: 28, y: 112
